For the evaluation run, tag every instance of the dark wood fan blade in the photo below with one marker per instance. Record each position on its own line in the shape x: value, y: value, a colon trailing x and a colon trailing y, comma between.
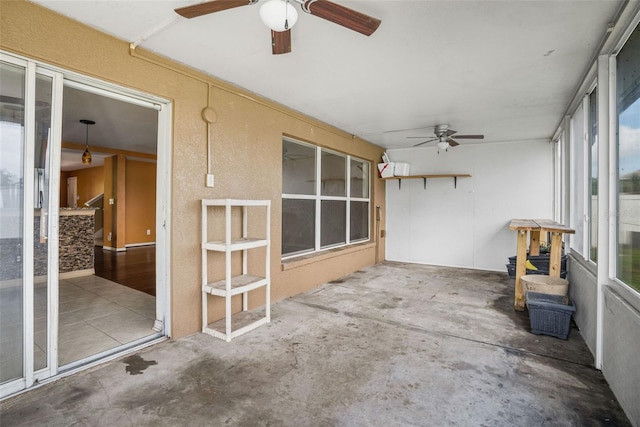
x: 280, y: 42
x: 451, y: 132
x: 344, y: 16
x: 424, y: 142
x: 452, y: 142
x: 470, y: 136
x: 206, y: 8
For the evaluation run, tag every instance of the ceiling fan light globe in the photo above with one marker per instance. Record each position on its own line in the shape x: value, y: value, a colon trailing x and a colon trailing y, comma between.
x: 279, y: 15
x: 442, y: 145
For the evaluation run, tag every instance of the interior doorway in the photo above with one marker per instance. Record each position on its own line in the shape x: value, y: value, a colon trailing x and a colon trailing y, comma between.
x: 109, y: 154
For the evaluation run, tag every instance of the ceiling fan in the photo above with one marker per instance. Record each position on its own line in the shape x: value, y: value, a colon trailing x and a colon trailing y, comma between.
x: 280, y: 16
x: 443, y: 135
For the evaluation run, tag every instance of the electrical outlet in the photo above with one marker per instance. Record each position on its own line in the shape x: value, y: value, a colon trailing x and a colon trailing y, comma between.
x: 210, y: 180
x: 111, y: 201
x: 109, y: 236
x: 148, y: 232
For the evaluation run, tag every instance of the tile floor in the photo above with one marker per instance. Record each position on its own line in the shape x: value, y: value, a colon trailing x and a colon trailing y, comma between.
x: 95, y: 315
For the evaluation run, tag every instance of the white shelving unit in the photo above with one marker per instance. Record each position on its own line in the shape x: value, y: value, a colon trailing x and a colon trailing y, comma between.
x: 235, y: 285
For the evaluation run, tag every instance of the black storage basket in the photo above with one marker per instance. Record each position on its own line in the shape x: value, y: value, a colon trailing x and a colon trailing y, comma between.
x: 549, y: 314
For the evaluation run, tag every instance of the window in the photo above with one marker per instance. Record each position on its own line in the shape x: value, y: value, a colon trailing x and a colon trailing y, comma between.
x: 593, y: 176
x: 628, y: 110
x: 577, y: 172
x: 325, y: 199
x: 584, y: 174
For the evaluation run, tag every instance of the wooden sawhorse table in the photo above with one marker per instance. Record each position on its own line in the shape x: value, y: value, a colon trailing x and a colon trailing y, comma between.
x: 534, y: 227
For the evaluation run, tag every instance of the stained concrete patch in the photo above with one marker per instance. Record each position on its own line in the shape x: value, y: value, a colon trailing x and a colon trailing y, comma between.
x: 393, y: 344
x: 136, y: 364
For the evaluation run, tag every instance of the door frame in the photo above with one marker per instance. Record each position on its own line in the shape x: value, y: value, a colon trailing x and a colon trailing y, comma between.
x: 164, y: 107
x: 72, y: 181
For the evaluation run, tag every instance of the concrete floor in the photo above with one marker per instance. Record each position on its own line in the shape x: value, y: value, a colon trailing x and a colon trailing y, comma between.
x: 392, y: 345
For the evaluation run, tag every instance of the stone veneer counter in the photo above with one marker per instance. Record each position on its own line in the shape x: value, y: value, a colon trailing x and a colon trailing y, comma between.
x: 76, y: 233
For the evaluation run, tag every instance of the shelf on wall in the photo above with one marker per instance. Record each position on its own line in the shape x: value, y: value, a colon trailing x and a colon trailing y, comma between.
x: 455, y: 177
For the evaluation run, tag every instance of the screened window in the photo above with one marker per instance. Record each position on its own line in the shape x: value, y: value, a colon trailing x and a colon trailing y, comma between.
x: 628, y: 109
x: 325, y: 199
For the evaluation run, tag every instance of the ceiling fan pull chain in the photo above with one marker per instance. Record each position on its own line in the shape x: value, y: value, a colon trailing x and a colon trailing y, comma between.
x: 286, y: 17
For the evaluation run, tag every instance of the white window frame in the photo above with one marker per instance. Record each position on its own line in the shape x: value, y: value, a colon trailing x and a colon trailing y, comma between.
x: 588, y: 196
x: 577, y: 146
x: 318, y: 198
x: 631, y: 295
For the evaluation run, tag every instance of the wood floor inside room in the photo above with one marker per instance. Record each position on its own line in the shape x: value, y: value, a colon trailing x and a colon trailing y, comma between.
x: 134, y: 268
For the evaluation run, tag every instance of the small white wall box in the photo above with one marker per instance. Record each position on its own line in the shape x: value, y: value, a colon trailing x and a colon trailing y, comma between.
x: 401, y: 169
x: 386, y: 169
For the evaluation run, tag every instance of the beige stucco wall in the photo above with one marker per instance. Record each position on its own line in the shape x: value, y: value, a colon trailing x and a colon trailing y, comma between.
x: 246, y: 149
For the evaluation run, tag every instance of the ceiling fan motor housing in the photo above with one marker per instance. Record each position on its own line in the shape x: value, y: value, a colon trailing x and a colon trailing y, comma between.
x: 440, y: 130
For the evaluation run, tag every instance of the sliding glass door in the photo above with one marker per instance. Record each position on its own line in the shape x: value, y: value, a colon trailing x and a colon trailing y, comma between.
x: 39, y: 331
x: 29, y: 173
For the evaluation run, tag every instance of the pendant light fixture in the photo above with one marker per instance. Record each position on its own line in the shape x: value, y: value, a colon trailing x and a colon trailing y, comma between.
x: 86, y: 156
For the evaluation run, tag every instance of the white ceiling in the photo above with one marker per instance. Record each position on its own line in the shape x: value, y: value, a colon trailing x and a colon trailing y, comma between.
x: 504, y: 68
x: 118, y: 125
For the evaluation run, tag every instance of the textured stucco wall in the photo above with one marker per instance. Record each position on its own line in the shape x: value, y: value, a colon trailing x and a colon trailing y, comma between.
x: 246, y: 147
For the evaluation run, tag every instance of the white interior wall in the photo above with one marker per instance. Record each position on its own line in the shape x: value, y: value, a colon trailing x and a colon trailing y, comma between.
x: 467, y: 226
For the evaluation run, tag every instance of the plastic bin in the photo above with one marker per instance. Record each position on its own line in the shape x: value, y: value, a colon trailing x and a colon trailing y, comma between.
x: 511, y: 270
x: 541, y: 261
x: 549, y: 314
x: 544, y: 284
